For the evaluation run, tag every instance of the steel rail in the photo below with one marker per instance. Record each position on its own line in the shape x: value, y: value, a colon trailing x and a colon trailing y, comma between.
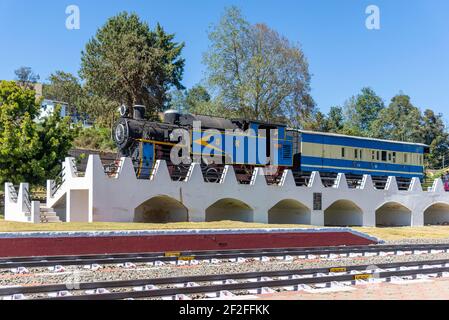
x: 250, y: 285
x: 218, y: 277
x: 207, y: 255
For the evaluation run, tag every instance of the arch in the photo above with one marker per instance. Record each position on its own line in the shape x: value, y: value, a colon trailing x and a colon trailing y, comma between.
x: 289, y: 211
x: 229, y: 209
x: 437, y: 214
x: 343, y: 213
x: 161, y: 209
x: 393, y: 214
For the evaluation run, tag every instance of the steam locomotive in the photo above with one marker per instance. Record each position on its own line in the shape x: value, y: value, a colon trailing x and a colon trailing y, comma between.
x: 247, y: 144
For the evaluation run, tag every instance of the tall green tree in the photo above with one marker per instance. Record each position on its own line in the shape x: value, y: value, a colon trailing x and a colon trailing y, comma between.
x: 63, y: 87
x: 128, y: 63
x: 434, y: 133
x: 256, y: 72
x: 399, y: 121
x: 361, y: 111
x: 335, y: 120
x: 319, y: 122
x: 29, y: 151
x: 195, y: 97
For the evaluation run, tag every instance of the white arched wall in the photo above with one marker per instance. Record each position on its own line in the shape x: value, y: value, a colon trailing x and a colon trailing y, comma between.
x: 343, y: 213
x: 229, y: 209
x: 437, y: 214
x: 393, y: 214
x: 161, y: 209
x: 289, y: 211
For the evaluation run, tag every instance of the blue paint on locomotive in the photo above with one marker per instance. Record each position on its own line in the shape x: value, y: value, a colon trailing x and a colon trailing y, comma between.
x: 147, y: 160
x: 249, y: 149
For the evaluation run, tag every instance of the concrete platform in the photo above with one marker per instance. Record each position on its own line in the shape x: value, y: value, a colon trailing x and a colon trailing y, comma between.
x: 77, y: 243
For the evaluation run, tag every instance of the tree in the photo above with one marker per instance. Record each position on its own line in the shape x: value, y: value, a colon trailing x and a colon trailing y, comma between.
x: 128, y: 63
x: 361, y: 111
x: 26, y: 77
x: 318, y: 123
x: 29, y: 152
x: 257, y: 73
x: 195, y: 97
x: 335, y: 120
x: 63, y: 87
x: 434, y: 133
x: 399, y: 121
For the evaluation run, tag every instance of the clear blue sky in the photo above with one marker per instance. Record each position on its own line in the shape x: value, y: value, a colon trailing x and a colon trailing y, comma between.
x: 410, y: 52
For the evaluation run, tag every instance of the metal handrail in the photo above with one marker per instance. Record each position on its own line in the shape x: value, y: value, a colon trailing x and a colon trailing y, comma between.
x: 13, y: 193
x: 27, y: 200
x: 59, y: 181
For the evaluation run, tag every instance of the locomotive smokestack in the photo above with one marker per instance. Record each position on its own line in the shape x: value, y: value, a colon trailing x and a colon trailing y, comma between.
x: 171, y: 116
x: 139, y: 112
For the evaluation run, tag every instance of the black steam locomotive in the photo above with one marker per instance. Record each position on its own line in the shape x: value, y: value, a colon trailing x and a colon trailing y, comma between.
x: 238, y: 142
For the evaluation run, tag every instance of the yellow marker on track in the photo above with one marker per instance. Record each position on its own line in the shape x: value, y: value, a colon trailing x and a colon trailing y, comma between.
x: 186, y: 258
x: 337, y: 270
x: 363, y: 276
x: 172, y: 254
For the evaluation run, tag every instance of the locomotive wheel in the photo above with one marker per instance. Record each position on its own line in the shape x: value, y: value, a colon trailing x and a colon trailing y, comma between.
x: 212, y: 175
x: 178, y: 173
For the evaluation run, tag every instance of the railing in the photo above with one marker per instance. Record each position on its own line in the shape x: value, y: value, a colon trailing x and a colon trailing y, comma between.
x: 13, y: 193
x: 111, y: 169
x: 27, y: 200
x: 75, y: 170
x: 59, y: 181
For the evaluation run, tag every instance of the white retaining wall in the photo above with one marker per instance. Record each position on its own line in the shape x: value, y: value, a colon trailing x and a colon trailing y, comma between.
x: 124, y: 198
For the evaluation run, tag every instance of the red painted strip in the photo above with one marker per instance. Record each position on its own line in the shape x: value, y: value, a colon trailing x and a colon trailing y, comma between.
x: 17, y: 247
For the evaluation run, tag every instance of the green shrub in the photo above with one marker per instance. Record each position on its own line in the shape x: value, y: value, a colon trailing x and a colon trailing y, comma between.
x: 95, y: 139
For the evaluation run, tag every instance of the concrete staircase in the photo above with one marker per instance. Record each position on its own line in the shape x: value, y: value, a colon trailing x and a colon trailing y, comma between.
x: 48, y: 215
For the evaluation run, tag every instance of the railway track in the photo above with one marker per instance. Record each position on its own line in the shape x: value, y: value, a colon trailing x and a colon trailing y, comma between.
x: 288, y: 280
x: 306, y: 253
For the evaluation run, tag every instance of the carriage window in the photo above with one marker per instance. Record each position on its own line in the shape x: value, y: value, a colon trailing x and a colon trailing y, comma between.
x: 389, y: 156
x: 378, y: 155
x: 342, y: 152
x: 356, y: 153
x: 373, y: 155
x: 394, y: 157
x: 405, y: 158
x: 361, y: 154
x: 384, y: 155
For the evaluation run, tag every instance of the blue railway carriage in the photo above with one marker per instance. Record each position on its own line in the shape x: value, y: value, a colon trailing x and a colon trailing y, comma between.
x: 355, y: 156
